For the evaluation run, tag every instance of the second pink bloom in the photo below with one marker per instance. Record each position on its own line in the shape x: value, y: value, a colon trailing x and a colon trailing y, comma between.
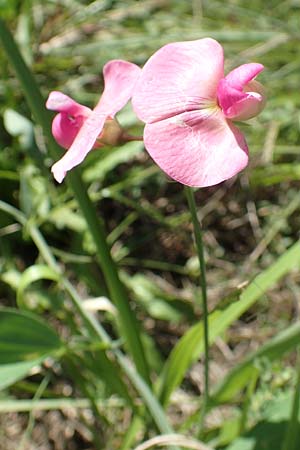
x: 80, y: 129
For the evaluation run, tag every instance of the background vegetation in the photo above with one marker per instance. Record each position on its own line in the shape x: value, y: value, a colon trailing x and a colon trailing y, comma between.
x: 71, y: 335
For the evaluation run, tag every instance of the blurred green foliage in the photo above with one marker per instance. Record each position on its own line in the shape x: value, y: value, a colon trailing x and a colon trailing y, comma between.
x: 250, y: 223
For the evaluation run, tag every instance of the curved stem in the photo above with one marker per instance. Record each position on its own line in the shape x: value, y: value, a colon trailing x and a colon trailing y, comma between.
x: 200, y: 252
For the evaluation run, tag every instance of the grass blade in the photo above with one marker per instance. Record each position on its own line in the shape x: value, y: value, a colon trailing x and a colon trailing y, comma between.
x: 191, y: 345
x: 274, y: 349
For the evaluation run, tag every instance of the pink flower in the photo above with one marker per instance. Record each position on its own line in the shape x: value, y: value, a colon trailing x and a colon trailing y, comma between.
x: 81, y: 129
x: 188, y: 107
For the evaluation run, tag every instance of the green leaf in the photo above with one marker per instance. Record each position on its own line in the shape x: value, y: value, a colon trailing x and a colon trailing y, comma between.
x: 18, y: 125
x: 191, y: 345
x: 239, y: 377
x: 10, y: 373
x: 187, y: 350
x: 273, y: 174
x: 268, y: 434
x: 156, y: 302
x: 29, y: 276
x: 25, y: 337
x: 65, y: 216
x: 111, y: 158
x: 34, y: 198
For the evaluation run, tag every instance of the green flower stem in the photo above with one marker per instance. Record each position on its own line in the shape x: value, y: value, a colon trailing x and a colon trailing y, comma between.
x: 200, y: 251
x: 31, y: 419
x: 291, y: 440
x: 127, y: 320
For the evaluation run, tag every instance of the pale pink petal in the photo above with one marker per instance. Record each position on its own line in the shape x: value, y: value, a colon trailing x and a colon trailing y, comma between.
x: 241, y: 76
x: 81, y: 146
x: 120, y: 78
x: 180, y: 77
x: 57, y: 101
x: 119, y: 81
x: 197, y: 148
x: 65, y: 129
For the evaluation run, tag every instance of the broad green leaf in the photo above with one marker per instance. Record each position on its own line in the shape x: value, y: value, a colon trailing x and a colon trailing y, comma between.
x: 25, y: 337
x: 191, y: 345
x: 10, y: 373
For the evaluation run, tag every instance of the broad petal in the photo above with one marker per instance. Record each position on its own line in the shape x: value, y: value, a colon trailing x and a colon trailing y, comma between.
x: 57, y: 101
x: 81, y: 146
x: 119, y: 80
x: 180, y: 77
x: 241, y: 76
x: 65, y: 129
x: 197, y: 148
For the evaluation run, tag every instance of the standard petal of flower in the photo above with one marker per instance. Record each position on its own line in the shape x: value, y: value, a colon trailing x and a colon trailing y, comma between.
x: 119, y: 81
x: 81, y: 146
x: 57, y: 101
x: 241, y: 76
x: 180, y: 77
x: 197, y: 148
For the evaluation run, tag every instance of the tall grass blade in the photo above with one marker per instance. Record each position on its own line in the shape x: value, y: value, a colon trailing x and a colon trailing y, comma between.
x: 239, y: 377
x: 191, y: 345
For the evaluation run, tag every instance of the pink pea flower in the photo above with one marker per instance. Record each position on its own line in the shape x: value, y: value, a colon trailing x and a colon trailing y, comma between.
x: 188, y: 107
x: 80, y: 129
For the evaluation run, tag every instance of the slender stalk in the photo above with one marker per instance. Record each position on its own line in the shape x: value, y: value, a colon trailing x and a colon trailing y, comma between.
x: 291, y: 441
x: 49, y: 404
x: 127, y: 320
x: 31, y: 420
x: 200, y: 252
x: 83, y: 386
